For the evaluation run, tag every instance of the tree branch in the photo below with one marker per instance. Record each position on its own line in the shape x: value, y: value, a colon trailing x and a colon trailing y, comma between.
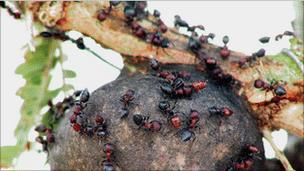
x: 115, y: 34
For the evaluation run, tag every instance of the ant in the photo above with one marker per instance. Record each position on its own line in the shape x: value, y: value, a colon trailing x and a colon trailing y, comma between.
x: 103, y: 14
x: 174, y: 118
x: 223, y: 111
x: 128, y: 97
x: 260, y: 53
x: 245, y: 161
x: 274, y: 86
x: 186, y: 133
x: 204, y: 39
x: 154, y: 64
x: 225, y: 52
x: 264, y: 39
x: 210, y: 62
x: 101, y: 126
x: 50, y: 138
x: 198, y: 85
x: 177, y: 120
x: 176, y: 89
x: 286, y: 33
x: 194, y: 44
x: 178, y: 22
x: 143, y: 122
x: 108, y: 149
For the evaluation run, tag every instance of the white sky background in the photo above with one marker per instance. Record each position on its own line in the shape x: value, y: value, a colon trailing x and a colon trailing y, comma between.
x: 244, y: 22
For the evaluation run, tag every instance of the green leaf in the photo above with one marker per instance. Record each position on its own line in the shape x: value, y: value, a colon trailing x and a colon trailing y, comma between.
x: 8, y: 153
x: 35, y: 93
x: 67, y: 87
x: 69, y: 73
x: 290, y: 72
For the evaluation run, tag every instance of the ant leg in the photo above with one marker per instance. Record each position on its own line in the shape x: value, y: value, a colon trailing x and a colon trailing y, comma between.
x: 199, y: 128
x: 194, y: 137
x: 165, y: 52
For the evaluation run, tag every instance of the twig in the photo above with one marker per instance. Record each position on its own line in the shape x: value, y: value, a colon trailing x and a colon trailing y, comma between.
x: 105, y: 61
x: 278, y: 153
x: 294, y: 58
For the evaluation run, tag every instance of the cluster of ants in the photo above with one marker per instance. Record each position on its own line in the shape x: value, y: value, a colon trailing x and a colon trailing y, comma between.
x: 173, y: 82
x: 135, y: 11
x: 50, y: 138
x: 261, y: 53
x: 79, y: 120
x: 56, y: 112
x: 174, y: 87
x: 245, y: 159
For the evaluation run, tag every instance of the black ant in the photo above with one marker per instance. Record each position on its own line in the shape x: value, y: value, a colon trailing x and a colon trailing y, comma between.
x: 186, y: 134
x: 43, y: 142
x: 286, y: 33
x: 274, y: 86
x: 264, y: 39
x: 154, y: 64
x: 143, y: 122
x: 260, y: 53
x: 178, y: 22
x: 55, y: 34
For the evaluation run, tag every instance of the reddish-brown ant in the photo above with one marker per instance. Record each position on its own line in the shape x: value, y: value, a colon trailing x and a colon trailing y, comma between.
x: 274, y: 86
x: 225, y: 52
x: 204, y: 39
x: 246, y: 158
x: 198, y: 85
x: 108, y: 149
x: 143, y: 122
x: 223, y: 111
x: 128, y: 97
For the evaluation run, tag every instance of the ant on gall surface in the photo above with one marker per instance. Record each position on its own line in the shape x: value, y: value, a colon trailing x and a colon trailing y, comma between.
x: 246, y: 158
x: 128, y: 97
x: 223, y: 111
x: 108, y: 149
x: 143, y: 122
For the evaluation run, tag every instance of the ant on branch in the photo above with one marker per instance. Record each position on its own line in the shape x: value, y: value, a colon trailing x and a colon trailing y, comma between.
x: 276, y: 87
